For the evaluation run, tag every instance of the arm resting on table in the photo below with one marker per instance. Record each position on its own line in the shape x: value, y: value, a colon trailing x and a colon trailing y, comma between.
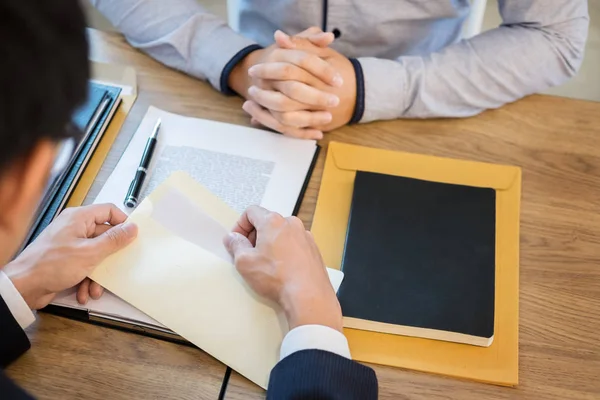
x: 540, y: 44
x: 180, y: 34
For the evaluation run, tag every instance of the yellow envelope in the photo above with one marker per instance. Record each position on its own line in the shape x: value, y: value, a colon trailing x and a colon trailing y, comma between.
x: 497, y: 363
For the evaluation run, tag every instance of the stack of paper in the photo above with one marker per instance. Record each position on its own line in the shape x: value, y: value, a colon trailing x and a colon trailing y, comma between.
x: 179, y: 273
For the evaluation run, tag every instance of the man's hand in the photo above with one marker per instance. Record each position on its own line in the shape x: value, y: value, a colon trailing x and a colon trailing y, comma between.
x: 272, y: 104
x: 67, y: 251
x: 294, y: 94
x: 280, y: 261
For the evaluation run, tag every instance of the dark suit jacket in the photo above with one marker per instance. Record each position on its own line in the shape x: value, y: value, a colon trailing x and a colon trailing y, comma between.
x: 308, y: 374
x: 320, y: 375
x: 13, y: 343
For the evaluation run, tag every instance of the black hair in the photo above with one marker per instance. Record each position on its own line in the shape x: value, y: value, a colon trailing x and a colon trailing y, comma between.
x: 44, y: 72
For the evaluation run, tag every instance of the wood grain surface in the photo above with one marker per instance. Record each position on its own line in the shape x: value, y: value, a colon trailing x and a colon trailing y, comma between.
x: 555, y: 141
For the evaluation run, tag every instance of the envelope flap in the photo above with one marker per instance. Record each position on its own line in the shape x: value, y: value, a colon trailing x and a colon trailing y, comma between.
x: 418, y: 166
x: 200, y: 196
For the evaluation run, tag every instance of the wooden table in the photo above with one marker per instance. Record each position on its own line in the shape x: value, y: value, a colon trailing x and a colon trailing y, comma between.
x: 557, y: 143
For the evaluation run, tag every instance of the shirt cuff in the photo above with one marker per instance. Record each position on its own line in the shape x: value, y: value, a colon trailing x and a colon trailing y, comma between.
x: 314, y: 337
x: 359, y: 107
x: 225, y: 89
x: 15, y: 302
x: 216, y: 52
x: 385, y: 89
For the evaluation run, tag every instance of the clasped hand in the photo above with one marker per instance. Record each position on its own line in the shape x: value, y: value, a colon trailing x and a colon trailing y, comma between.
x: 298, y: 86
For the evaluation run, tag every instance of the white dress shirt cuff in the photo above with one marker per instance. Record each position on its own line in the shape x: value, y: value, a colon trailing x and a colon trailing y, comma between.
x: 15, y: 302
x: 314, y: 337
x: 385, y: 90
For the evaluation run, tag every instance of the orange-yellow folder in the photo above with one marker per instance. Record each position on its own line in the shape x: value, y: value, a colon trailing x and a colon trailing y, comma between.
x: 497, y: 363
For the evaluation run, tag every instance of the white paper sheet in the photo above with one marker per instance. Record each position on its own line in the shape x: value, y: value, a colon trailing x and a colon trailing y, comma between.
x: 242, y: 166
x: 108, y: 305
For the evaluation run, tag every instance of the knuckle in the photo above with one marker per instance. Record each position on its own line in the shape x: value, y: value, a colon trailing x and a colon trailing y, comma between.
x: 296, y: 222
x: 68, y: 212
x: 277, y: 85
x: 292, y: 134
x: 113, y: 236
x: 278, y: 126
x: 275, y: 54
x: 253, y: 208
x: 238, y: 242
x: 286, y: 118
x: 252, y: 109
x: 322, y: 100
x: 316, y: 120
x: 262, y: 84
x: 327, y: 71
x: 294, y: 89
x: 307, y: 134
x: 307, y: 60
x: 288, y: 132
x: 328, y: 68
x: 274, y: 219
x: 279, y: 104
x: 96, y: 208
x: 242, y: 261
x: 319, y: 64
x: 80, y: 248
x: 287, y: 71
x: 304, y: 133
x: 258, y: 96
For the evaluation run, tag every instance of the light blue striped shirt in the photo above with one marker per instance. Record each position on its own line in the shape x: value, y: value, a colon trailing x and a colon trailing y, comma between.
x: 414, y: 63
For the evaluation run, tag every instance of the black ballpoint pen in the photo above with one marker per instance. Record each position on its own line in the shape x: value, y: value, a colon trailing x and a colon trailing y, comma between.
x: 131, y: 200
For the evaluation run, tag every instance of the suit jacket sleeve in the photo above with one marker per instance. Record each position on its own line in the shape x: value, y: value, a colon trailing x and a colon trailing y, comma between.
x: 13, y: 343
x: 318, y: 374
x: 9, y: 390
x: 13, y: 340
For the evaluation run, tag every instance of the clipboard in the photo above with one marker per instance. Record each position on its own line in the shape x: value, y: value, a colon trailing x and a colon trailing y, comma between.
x: 497, y: 364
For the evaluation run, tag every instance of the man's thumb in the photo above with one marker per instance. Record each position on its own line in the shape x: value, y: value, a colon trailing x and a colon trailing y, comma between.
x: 116, y: 238
x: 235, y: 243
